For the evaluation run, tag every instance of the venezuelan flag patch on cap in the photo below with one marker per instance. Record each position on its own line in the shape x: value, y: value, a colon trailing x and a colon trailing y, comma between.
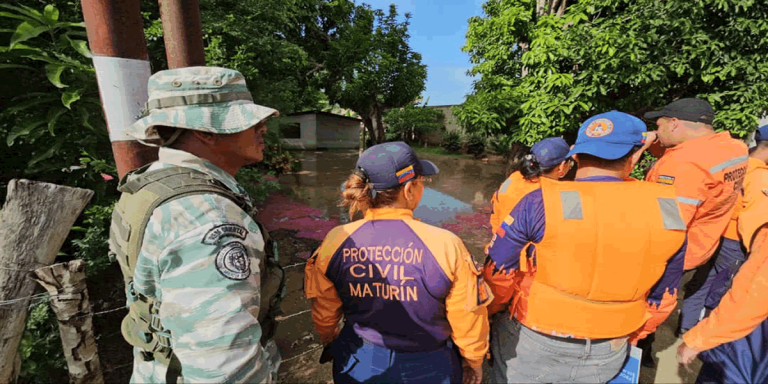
x: 405, y: 174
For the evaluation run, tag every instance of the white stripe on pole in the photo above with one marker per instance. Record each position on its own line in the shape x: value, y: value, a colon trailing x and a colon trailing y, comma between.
x: 123, y: 88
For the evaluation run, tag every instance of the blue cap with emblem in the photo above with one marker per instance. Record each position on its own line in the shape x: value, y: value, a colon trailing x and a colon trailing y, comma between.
x: 550, y: 151
x: 388, y: 165
x: 609, y: 135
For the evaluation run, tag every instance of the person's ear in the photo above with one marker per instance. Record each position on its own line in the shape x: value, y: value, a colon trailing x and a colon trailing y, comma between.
x: 205, y: 137
x: 408, y: 191
x: 674, y: 124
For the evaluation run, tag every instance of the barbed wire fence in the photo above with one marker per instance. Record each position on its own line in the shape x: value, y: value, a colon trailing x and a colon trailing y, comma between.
x: 46, y: 297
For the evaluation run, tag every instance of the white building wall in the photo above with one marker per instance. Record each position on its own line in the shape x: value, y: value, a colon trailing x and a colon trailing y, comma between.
x: 337, y: 132
x: 308, y: 138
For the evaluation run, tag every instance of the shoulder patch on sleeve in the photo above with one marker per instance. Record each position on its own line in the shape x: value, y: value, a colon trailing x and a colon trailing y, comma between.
x: 215, y: 234
x: 765, y: 192
x: 666, y: 180
x: 232, y: 261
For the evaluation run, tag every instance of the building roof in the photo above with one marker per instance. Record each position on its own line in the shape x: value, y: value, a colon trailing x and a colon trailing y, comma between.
x: 324, y: 114
x: 441, y: 106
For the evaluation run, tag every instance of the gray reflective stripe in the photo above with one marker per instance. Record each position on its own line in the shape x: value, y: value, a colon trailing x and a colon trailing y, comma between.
x: 688, y: 200
x: 571, y: 205
x: 206, y: 98
x: 729, y: 163
x: 670, y: 214
x: 505, y: 186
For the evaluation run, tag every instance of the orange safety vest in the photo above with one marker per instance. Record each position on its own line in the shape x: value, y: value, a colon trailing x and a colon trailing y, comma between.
x: 509, y: 194
x: 754, y: 211
x: 605, y: 245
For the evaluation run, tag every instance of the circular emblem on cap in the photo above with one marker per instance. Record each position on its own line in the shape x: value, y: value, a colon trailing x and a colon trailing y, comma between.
x: 232, y: 261
x: 599, y: 128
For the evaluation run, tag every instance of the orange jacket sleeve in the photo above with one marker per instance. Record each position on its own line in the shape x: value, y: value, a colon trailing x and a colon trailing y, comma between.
x: 326, y: 304
x: 496, y: 214
x: 742, y: 308
x: 755, y: 208
x: 703, y: 207
x: 466, y: 310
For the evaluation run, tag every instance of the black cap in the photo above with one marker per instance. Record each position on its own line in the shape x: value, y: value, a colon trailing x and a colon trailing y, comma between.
x: 690, y: 109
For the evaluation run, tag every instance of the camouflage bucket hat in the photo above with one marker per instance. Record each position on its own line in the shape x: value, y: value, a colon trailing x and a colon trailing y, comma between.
x: 208, y: 99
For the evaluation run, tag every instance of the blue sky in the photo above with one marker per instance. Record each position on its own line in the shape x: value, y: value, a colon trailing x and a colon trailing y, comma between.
x: 437, y: 32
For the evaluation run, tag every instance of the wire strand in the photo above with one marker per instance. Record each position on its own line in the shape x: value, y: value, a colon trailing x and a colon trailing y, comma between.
x: 295, y: 265
x: 21, y: 299
x: 283, y: 318
x: 301, y: 354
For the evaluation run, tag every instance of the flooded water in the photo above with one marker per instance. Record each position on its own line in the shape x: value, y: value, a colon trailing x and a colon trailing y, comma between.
x: 462, y: 186
x: 458, y: 198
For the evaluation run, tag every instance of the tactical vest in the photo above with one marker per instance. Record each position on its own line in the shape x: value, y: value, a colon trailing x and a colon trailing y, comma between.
x: 604, y: 247
x: 142, y: 193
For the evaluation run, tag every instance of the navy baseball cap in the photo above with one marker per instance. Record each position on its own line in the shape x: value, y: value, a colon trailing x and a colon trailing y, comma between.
x: 390, y: 164
x: 609, y: 135
x: 550, y: 152
x: 761, y: 134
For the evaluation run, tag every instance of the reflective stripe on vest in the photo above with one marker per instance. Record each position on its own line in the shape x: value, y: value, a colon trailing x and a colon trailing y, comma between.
x: 670, y: 214
x: 728, y: 163
x: 571, y: 205
x: 606, y: 244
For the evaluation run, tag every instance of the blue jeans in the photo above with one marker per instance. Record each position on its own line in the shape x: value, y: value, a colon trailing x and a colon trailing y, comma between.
x: 710, y: 282
x: 521, y: 355
x: 356, y: 360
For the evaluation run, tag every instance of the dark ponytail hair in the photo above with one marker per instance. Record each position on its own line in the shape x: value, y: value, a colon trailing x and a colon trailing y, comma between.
x: 531, y: 169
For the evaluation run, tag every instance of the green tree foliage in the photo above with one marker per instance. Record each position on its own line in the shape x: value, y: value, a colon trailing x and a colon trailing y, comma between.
x: 451, y: 141
x: 544, y: 71
x: 51, y: 122
x: 391, y: 75
x: 412, y: 122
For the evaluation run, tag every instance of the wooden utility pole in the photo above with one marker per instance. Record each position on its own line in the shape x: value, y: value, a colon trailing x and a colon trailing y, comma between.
x: 34, y: 223
x: 182, y: 33
x: 116, y: 38
x: 69, y: 301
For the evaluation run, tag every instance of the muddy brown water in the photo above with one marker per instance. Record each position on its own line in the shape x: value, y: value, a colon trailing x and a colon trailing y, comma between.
x: 300, y: 215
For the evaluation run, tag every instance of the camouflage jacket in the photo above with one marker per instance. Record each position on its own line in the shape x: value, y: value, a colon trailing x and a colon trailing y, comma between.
x: 201, y: 259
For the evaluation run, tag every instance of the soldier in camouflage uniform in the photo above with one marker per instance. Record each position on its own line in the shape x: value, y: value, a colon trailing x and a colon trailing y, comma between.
x: 194, y: 275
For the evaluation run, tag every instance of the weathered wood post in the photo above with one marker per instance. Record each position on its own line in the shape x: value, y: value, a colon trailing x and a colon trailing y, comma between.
x: 34, y: 223
x: 69, y: 301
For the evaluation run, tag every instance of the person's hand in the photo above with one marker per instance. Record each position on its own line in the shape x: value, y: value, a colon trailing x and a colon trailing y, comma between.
x: 686, y: 354
x: 472, y: 375
x: 650, y: 138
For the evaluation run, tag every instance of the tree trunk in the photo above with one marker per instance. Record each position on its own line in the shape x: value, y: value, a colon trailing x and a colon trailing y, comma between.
x: 34, y: 223
x: 362, y: 141
x: 69, y: 301
x: 379, y: 124
x: 561, y: 8
x: 368, y: 123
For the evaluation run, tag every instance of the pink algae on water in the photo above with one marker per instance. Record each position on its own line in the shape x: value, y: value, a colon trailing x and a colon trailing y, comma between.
x: 281, y: 212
